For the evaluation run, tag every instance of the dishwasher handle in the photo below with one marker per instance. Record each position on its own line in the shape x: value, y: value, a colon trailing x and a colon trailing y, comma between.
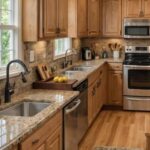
x: 68, y: 111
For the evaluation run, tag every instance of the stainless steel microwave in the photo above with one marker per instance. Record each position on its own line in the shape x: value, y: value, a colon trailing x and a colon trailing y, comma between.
x: 136, y: 28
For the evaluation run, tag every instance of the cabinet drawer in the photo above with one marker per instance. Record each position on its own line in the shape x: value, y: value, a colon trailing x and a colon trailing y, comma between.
x: 39, y: 136
x: 96, y: 74
x: 115, y: 66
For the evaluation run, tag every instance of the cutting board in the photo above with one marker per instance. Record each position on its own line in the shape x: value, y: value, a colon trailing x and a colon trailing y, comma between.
x: 44, y: 72
x: 54, y: 85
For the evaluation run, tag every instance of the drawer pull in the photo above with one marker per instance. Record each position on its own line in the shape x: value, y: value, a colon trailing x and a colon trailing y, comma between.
x: 35, y: 141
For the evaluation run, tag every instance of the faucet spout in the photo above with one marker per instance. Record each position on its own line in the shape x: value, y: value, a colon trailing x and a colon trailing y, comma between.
x: 8, y: 89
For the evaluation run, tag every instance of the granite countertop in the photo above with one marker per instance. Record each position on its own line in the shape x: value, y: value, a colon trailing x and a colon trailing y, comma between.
x: 82, y: 75
x: 115, y: 148
x: 15, y: 129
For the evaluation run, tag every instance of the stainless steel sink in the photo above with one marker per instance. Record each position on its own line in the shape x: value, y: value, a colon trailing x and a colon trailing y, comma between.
x: 25, y: 109
x: 80, y: 68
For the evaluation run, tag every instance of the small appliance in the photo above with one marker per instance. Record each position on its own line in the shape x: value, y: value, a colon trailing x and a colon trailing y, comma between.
x: 136, y: 79
x: 86, y: 53
x: 136, y: 28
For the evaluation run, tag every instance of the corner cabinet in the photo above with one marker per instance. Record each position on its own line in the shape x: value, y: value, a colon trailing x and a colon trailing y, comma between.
x: 47, y: 137
x: 96, y: 92
x: 43, y: 19
x: 112, y: 18
x: 136, y: 8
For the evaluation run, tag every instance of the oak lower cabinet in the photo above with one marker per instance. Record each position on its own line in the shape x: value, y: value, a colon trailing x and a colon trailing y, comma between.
x: 112, y: 18
x: 47, y: 137
x: 96, y: 92
x: 115, y: 84
x: 136, y: 8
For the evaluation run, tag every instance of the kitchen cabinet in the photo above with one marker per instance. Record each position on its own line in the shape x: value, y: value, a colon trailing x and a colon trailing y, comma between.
x: 93, y: 18
x: 96, y: 92
x: 112, y: 18
x: 47, y: 137
x: 136, y: 8
x: 77, y: 18
x: 44, y: 19
x: 115, y: 84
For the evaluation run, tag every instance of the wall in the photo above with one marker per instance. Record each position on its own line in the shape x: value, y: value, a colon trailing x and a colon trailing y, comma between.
x: 99, y: 43
x: 43, y: 54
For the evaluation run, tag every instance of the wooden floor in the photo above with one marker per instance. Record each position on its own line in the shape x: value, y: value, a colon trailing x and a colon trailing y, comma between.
x: 119, y: 129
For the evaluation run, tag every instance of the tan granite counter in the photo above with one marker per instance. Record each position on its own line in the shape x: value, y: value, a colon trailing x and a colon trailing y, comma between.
x: 95, y: 64
x: 14, y: 129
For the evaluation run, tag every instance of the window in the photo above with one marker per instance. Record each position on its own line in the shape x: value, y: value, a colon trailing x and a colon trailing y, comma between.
x: 9, y: 35
x: 60, y: 47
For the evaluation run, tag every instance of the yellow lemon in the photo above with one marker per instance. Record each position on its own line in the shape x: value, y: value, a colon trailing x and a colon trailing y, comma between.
x: 60, y: 79
x: 65, y: 79
x: 56, y: 79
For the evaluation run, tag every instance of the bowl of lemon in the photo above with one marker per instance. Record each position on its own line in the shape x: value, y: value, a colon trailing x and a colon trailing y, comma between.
x: 60, y: 79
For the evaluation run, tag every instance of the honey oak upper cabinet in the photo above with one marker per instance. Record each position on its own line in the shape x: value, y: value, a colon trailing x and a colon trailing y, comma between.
x: 146, y: 8
x: 136, y: 8
x: 93, y: 17
x: 55, y: 18
x: 43, y: 19
x: 77, y: 18
x: 112, y: 18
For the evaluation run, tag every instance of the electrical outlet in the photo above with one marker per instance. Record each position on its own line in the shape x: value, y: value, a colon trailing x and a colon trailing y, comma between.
x: 32, y: 56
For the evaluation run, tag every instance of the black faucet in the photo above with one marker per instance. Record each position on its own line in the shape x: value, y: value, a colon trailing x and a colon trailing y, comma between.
x: 9, y: 90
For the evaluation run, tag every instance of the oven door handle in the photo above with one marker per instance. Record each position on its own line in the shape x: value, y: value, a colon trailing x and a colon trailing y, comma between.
x: 137, y: 67
x: 68, y: 111
x: 137, y: 98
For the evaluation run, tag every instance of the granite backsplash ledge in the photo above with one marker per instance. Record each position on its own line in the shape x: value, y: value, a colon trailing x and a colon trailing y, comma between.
x: 43, y: 54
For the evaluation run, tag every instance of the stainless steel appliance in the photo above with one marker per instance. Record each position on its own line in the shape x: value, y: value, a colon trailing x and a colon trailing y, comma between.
x: 86, y: 53
x: 136, y: 28
x: 76, y: 118
x: 136, y: 87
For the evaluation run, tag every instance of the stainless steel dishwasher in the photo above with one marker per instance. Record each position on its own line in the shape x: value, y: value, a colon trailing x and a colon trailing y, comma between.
x: 76, y: 118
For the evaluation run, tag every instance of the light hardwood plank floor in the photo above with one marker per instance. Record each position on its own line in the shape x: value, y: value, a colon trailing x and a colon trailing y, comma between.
x: 119, y: 129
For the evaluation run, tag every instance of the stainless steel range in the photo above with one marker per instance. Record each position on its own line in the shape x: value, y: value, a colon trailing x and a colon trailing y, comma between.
x: 136, y: 87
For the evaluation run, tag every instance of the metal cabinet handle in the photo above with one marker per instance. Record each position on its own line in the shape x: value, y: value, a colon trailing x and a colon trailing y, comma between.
x: 35, y: 141
x: 73, y: 108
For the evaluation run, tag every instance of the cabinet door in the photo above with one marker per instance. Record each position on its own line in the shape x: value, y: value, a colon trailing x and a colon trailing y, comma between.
x: 91, y: 99
x: 50, y: 18
x: 54, y: 142
x: 111, y: 18
x: 93, y: 17
x: 115, y: 87
x: 146, y: 8
x: 82, y: 18
x: 63, y: 17
x: 42, y: 147
x: 132, y: 8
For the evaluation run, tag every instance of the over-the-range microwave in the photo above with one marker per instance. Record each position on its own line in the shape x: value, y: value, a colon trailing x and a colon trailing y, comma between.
x: 136, y: 28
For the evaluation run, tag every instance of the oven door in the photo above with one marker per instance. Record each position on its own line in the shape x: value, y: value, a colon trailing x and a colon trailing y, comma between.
x: 136, y: 80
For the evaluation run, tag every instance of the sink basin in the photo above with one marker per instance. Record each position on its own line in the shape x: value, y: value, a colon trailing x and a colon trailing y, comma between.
x: 80, y: 68
x: 25, y: 109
